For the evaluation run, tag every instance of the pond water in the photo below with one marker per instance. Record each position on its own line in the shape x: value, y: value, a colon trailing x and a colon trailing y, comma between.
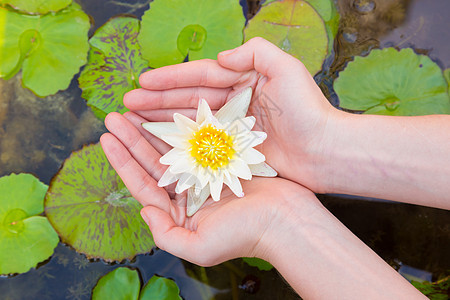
x: 37, y: 136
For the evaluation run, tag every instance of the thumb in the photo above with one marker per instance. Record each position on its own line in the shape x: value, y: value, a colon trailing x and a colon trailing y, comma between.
x: 260, y: 55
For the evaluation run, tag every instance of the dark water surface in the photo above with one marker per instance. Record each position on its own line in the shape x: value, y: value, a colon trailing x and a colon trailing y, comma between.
x: 37, y: 135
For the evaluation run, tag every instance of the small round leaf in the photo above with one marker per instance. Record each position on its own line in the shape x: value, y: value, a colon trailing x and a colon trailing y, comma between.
x: 37, y: 6
x: 160, y: 288
x: 49, y: 49
x: 91, y: 209
x: 295, y: 27
x: 25, y: 239
x: 113, y: 67
x: 258, y: 262
x: 391, y: 82
x: 121, y: 284
x: 172, y: 30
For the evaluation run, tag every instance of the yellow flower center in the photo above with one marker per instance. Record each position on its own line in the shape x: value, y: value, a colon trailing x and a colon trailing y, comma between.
x: 212, y: 147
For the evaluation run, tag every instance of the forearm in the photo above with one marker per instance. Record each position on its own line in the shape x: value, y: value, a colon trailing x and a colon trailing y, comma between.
x: 404, y: 159
x: 322, y: 259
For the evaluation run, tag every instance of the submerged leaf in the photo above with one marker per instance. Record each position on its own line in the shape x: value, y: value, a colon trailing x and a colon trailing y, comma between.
x: 37, y: 6
x: 122, y: 283
x: 295, y: 27
x: 113, y: 67
x: 49, y: 49
x: 91, y: 209
x: 391, y: 82
x: 25, y: 238
x: 172, y: 30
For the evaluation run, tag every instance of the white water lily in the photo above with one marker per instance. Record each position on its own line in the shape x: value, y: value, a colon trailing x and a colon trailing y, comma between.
x: 212, y: 151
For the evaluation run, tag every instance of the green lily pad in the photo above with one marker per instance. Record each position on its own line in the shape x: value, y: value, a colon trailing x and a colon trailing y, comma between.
x: 329, y: 14
x: 160, y: 288
x: 391, y: 82
x: 37, y: 6
x: 114, y: 65
x: 258, y: 262
x: 447, y: 76
x: 49, y: 49
x: 123, y: 283
x: 295, y: 27
x: 91, y: 209
x: 172, y: 30
x: 25, y: 238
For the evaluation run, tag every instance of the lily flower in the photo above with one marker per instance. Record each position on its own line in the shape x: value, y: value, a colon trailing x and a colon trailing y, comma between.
x: 211, y: 151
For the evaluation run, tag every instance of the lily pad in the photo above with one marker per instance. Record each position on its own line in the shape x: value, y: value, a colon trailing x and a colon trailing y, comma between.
x: 391, y: 82
x: 37, y: 6
x: 49, y: 49
x: 123, y: 283
x: 447, y: 76
x: 259, y: 263
x: 25, y: 238
x: 172, y: 30
x: 114, y: 65
x: 295, y: 27
x: 92, y: 210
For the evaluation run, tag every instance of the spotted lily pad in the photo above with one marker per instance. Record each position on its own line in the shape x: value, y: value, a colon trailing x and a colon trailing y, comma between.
x: 25, y: 237
x: 114, y: 65
x: 37, y: 6
x: 391, y: 82
x: 123, y: 283
x: 172, y: 30
x: 49, y: 49
x: 91, y: 209
x: 259, y: 263
x: 295, y: 27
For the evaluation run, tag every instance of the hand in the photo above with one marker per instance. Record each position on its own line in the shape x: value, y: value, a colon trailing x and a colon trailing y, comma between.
x: 233, y: 227
x: 287, y: 103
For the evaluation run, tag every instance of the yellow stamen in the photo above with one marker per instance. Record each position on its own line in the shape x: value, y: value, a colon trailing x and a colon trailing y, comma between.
x: 212, y: 147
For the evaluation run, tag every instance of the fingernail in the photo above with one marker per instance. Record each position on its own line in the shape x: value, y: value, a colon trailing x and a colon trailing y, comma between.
x: 227, y: 52
x: 144, y: 216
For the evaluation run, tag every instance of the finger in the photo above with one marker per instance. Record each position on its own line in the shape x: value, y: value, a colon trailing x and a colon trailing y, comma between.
x: 136, y: 144
x: 137, y: 120
x: 166, y: 115
x: 205, y: 72
x: 262, y: 56
x: 142, y: 99
x: 141, y: 185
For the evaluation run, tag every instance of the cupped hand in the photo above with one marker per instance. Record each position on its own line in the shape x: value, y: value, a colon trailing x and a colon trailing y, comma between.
x: 219, y: 231
x: 287, y: 103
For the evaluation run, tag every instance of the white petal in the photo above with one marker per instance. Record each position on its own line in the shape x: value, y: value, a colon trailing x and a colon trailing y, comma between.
x: 181, y: 166
x: 234, y: 184
x: 194, y: 202
x: 250, y: 140
x: 172, y: 156
x: 241, y: 126
x: 203, y: 111
x: 160, y: 128
x: 252, y: 156
x: 262, y: 169
x: 176, y: 140
x: 184, y: 124
x: 167, y: 178
x: 203, y: 177
x: 215, y: 186
x: 239, y: 168
x: 236, y: 108
x: 186, y: 181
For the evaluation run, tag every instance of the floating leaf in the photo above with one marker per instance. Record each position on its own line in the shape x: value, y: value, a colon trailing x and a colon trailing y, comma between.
x: 391, y: 82
x: 259, y: 263
x: 114, y: 65
x: 122, y: 283
x: 172, y: 30
x: 160, y: 288
x: 91, y: 209
x: 49, y: 49
x: 37, y: 6
x: 295, y: 27
x: 447, y: 76
x: 25, y: 238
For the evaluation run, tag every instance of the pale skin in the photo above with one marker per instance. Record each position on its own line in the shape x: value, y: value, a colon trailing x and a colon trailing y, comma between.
x: 313, y: 146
